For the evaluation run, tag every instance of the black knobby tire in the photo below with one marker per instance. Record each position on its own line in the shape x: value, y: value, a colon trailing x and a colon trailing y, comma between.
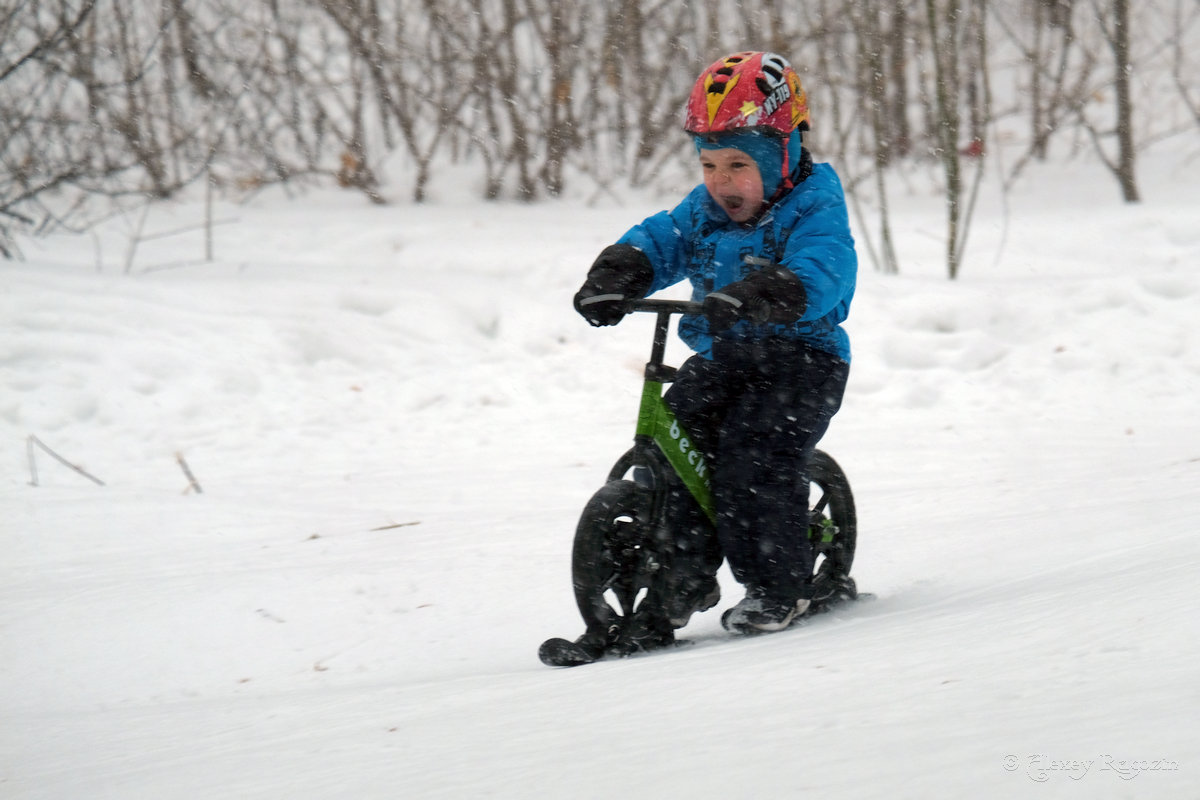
x: 614, y: 562
x: 833, y: 525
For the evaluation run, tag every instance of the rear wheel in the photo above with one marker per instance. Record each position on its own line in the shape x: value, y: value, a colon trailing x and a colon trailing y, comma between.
x: 833, y: 528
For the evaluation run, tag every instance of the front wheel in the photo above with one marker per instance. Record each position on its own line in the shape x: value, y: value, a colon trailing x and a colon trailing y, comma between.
x: 616, y: 564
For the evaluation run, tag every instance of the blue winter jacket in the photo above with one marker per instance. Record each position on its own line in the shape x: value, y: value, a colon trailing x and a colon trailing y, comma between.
x: 807, y: 231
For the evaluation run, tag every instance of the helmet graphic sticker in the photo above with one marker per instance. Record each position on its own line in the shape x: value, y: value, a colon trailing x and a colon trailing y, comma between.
x: 747, y: 90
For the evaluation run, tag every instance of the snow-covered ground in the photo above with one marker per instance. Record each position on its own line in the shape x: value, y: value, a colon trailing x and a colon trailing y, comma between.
x: 395, y: 417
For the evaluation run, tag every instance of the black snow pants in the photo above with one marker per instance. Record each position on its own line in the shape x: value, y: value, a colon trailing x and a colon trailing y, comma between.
x: 756, y: 412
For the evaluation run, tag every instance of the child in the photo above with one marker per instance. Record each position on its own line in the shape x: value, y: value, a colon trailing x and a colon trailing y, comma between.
x: 766, y: 245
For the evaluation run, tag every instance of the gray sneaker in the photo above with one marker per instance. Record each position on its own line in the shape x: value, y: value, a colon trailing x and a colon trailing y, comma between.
x: 757, y: 612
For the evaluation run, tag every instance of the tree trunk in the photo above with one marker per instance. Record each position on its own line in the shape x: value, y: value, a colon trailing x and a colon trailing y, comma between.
x: 1126, y: 154
x: 943, y: 30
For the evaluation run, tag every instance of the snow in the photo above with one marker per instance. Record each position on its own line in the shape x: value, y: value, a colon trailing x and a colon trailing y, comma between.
x: 395, y: 417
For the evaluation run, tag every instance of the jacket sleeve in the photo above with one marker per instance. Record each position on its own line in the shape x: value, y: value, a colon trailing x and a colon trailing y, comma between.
x: 664, y: 238
x: 820, y: 249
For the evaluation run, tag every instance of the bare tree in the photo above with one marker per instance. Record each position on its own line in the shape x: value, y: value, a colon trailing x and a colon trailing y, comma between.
x: 107, y: 102
x: 1118, y: 39
x: 944, y: 17
x: 1114, y: 23
x: 1060, y: 77
x: 560, y: 31
x: 1181, y: 70
x: 91, y: 107
x: 34, y: 82
x: 875, y: 88
x: 377, y: 49
x: 897, y: 44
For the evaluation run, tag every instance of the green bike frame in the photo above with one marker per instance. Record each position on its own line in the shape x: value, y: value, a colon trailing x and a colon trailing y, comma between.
x: 656, y: 423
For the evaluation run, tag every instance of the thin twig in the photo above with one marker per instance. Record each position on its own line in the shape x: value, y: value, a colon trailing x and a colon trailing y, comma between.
x: 397, y: 525
x: 33, y: 440
x: 183, y: 465
x: 136, y: 238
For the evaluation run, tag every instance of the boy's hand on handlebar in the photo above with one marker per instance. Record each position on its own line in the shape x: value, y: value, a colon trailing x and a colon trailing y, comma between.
x: 725, y: 308
x: 620, y: 273
x: 772, y: 294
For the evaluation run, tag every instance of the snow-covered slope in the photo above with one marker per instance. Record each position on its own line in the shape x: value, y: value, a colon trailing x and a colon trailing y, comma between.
x: 395, y: 417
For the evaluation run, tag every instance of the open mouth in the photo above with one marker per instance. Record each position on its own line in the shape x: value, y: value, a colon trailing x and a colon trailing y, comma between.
x: 732, y: 203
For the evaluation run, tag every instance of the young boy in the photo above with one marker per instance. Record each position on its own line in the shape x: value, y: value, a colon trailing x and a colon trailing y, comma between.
x: 766, y: 244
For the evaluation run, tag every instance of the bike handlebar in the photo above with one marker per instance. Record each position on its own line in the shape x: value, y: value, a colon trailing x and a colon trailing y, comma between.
x: 657, y: 306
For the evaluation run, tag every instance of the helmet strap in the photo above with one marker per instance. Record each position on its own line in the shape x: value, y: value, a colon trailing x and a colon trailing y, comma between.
x: 796, y: 177
x: 785, y: 183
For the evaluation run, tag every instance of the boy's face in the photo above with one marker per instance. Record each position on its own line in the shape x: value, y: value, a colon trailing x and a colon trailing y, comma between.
x: 733, y: 180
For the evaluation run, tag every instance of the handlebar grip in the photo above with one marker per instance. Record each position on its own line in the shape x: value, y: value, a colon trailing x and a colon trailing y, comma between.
x: 601, y: 298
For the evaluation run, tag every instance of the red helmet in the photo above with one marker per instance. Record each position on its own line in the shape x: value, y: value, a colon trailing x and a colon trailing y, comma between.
x: 747, y: 90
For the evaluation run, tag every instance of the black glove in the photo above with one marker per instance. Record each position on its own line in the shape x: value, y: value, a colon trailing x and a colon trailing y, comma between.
x: 621, y: 272
x: 773, y: 294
